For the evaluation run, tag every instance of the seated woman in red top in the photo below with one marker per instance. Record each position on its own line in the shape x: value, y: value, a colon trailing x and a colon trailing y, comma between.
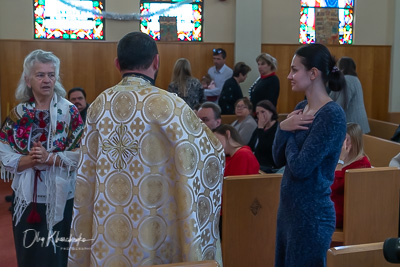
x: 351, y: 157
x: 240, y: 160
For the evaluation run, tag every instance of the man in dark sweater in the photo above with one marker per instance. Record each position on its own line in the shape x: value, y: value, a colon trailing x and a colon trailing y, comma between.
x: 77, y: 96
x: 231, y: 91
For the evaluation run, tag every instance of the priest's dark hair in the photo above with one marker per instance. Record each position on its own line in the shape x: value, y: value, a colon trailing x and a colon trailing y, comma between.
x: 136, y: 51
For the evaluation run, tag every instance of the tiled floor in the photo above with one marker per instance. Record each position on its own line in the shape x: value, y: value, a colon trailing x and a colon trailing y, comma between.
x: 7, y: 249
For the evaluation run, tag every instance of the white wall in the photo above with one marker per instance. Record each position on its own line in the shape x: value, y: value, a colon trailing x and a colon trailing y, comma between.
x: 280, y: 20
x: 16, y: 20
x: 279, y: 24
x: 373, y: 22
x: 219, y: 20
x: 248, y: 42
x: 115, y: 29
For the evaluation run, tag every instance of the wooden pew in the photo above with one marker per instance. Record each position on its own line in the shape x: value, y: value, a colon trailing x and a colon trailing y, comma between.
x: 380, y: 151
x: 365, y: 255
x: 382, y: 129
x: 228, y: 119
x: 394, y: 117
x: 189, y: 264
x: 282, y: 116
x: 249, y: 213
x: 371, y: 206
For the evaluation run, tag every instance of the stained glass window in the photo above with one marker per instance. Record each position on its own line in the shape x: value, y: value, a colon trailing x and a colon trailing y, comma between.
x: 56, y: 20
x: 326, y: 21
x: 172, y: 22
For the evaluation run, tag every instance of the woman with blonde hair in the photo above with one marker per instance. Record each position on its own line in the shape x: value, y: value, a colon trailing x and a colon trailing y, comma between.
x: 184, y: 84
x: 266, y: 87
x: 351, y: 157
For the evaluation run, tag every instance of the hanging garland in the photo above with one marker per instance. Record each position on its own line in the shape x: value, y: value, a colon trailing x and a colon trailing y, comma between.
x: 118, y: 16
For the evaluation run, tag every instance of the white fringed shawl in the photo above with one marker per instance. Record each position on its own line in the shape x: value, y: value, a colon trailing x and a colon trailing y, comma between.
x: 58, y: 180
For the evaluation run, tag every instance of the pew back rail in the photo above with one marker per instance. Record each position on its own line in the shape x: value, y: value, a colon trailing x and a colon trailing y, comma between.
x: 371, y: 206
x: 380, y: 151
x: 366, y: 255
x: 249, y: 213
x: 382, y: 129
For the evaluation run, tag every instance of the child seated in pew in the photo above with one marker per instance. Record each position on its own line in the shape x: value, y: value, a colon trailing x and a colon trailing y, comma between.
x: 351, y: 157
x: 208, y: 83
x: 240, y: 160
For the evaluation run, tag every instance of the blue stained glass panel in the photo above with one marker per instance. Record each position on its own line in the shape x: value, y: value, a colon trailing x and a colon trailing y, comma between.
x: 331, y: 3
x: 307, y: 19
x: 328, y: 3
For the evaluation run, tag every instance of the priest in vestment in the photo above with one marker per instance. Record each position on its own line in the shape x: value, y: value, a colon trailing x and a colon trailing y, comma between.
x: 149, y: 181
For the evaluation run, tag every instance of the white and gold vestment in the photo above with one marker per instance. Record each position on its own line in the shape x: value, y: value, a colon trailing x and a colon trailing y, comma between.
x: 149, y: 181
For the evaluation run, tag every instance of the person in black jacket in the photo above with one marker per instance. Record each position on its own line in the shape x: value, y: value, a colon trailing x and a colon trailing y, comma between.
x: 231, y: 91
x: 266, y: 87
x: 263, y: 136
x: 396, y: 135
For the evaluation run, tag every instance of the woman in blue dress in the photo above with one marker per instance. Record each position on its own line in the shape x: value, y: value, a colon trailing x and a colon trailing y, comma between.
x: 308, y: 142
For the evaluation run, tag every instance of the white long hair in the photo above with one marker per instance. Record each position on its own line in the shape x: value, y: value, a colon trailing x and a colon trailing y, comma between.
x: 23, y: 92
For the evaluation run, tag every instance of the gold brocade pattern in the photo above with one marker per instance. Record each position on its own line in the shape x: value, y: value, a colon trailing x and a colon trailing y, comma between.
x: 119, y: 189
x: 120, y: 147
x: 149, y: 181
x: 123, y: 106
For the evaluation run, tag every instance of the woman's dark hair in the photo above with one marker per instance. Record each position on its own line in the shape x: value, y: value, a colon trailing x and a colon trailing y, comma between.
x: 222, y: 129
x: 318, y: 56
x: 240, y: 68
x: 246, y: 101
x: 347, y: 66
x: 266, y: 104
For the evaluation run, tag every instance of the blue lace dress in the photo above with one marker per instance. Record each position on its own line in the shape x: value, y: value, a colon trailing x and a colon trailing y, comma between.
x: 306, y: 214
